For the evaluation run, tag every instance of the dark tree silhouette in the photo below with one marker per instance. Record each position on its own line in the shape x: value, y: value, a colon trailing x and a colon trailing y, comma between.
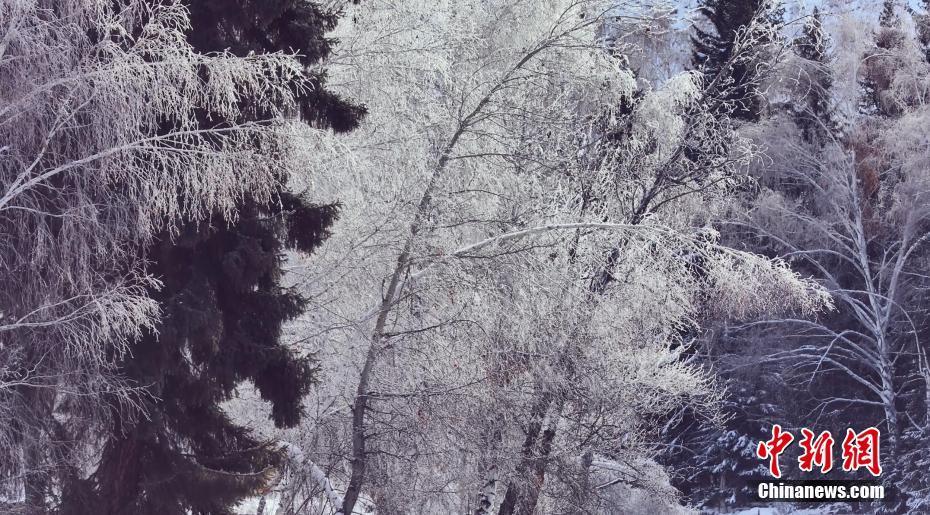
x: 814, y: 117
x: 726, y: 67
x: 223, y: 308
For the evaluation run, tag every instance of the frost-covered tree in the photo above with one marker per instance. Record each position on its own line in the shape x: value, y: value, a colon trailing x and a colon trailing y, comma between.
x: 104, y: 146
x: 503, y: 348
x: 844, y: 209
x: 815, y: 116
x: 888, y: 16
x: 222, y: 302
x: 865, y: 250
x: 864, y: 235
x: 890, y: 49
x: 729, y: 51
x: 922, y: 26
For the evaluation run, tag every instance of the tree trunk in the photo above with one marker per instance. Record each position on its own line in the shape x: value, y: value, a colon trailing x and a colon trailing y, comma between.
x: 359, y: 461
x: 517, y: 489
x: 486, y: 497
x: 584, y: 483
x: 35, y: 478
x: 35, y: 481
x: 529, y: 502
x: 888, y: 399
x: 487, y: 494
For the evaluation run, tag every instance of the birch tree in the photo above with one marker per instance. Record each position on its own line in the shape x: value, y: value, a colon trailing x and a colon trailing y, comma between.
x: 527, y: 237
x: 861, y: 227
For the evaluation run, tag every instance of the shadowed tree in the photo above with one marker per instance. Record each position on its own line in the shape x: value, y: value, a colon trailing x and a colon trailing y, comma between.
x: 814, y: 117
x: 223, y: 304
x: 724, y: 52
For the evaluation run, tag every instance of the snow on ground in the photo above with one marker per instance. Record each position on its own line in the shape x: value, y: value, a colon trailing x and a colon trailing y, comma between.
x: 788, y: 509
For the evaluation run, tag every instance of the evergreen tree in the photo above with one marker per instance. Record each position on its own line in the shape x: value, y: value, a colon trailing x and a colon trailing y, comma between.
x: 814, y: 118
x: 914, y: 481
x: 888, y: 17
x: 726, y: 53
x: 223, y: 308
x: 879, y: 65
x: 721, y: 454
x: 722, y: 459
x: 922, y: 25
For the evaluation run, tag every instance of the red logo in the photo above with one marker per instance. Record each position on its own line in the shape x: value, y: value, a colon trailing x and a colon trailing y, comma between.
x: 860, y: 450
x: 817, y: 451
x: 774, y: 447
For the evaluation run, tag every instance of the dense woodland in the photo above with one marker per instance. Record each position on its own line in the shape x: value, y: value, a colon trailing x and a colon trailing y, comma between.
x: 462, y: 256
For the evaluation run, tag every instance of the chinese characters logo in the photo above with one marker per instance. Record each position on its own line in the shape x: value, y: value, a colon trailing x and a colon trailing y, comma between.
x: 860, y: 450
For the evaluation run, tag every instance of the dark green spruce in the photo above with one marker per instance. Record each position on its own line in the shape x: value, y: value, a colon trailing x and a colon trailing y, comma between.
x: 224, y: 308
x: 729, y: 67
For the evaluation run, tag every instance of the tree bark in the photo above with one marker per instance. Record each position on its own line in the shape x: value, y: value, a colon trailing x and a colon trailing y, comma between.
x: 516, y: 490
x: 487, y: 494
x: 35, y: 480
x: 359, y: 460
